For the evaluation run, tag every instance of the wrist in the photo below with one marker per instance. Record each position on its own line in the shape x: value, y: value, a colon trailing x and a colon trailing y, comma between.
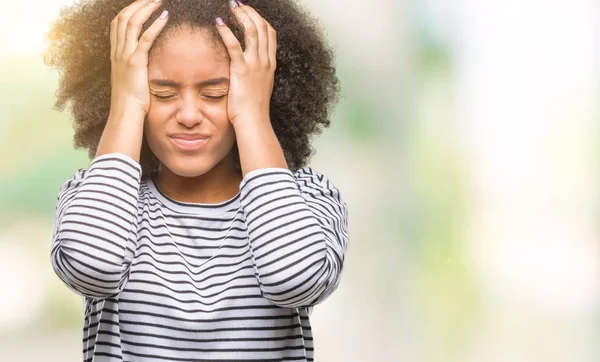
x: 252, y: 119
x: 258, y: 144
x: 127, y: 110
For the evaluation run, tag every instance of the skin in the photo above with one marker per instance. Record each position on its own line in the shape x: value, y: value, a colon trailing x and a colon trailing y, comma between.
x: 207, y: 175
x: 188, y: 57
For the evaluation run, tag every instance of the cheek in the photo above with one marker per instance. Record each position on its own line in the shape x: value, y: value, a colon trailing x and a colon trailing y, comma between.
x: 217, y: 112
x: 159, y: 110
x: 154, y: 127
x: 157, y: 119
x: 219, y: 119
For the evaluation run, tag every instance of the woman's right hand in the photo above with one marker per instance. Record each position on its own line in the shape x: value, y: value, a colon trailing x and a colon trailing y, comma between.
x: 129, y: 56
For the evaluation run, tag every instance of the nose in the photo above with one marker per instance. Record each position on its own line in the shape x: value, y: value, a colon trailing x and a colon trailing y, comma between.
x: 189, y: 113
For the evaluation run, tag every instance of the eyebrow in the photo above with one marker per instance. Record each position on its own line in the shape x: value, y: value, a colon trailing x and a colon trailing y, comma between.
x: 174, y: 84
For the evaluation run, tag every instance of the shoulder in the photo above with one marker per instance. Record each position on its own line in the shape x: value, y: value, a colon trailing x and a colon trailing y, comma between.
x: 309, y: 175
x: 313, y: 182
x: 321, y: 195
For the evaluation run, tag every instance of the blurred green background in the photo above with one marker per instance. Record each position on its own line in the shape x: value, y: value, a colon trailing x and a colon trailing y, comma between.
x: 466, y: 146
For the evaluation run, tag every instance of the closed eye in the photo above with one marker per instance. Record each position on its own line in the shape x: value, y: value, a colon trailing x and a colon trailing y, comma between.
x: 171, y: 96
x: 215, y: 97
x: 164, y: 97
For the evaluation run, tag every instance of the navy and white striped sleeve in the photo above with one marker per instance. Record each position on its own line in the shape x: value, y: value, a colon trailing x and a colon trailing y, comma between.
x: 96, y: 226
x: 297, y: 226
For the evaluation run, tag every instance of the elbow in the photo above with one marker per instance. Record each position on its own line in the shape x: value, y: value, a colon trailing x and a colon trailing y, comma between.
x: 293, y: 288
x: 85, y: 275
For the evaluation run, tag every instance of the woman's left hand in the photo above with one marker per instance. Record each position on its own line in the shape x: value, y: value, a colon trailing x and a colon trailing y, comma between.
x: 252, y: 70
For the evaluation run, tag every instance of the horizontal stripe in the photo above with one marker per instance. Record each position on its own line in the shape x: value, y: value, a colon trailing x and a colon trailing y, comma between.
x: 165, y: 280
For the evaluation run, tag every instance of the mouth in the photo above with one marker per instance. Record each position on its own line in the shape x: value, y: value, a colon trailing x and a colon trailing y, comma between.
x: 189, y: 144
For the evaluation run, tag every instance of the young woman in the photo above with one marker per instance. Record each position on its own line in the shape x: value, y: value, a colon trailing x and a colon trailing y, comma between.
x: 197, y: 233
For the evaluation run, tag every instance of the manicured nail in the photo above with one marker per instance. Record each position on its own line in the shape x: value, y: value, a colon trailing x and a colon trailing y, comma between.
x: 220, y: 21
x: 240, y: 3
x: 233, y: 4
x: 164, y: 14
x: 154, y: 1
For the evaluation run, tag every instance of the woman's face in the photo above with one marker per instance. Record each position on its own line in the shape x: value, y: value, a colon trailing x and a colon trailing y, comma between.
x: 187, y: 126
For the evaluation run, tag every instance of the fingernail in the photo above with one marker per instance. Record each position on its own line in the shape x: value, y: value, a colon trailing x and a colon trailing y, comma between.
x: 164, y: 14
x: 233, y: 4
x: 240, y: 3
x: 220, y: 21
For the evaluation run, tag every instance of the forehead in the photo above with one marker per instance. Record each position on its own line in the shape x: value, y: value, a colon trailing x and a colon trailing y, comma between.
x: 188, y: 56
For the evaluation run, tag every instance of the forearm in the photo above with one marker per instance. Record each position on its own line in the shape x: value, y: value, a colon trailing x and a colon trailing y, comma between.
x: 296, y: 251
x: 123, y: 132
x: 96, y: 225
x: 257, y: 144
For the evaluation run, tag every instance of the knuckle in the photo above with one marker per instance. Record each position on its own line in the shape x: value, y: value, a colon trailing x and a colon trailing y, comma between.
x: 248, y: 25
x: 264, y: 26
x: 137, y: 18
x: 235, y: 48
x: 132, y: 24
x: 252, y: 30
x: 132, y: 61
x: 255, y: 65
x: 145, y: 38
x: 229, y: 43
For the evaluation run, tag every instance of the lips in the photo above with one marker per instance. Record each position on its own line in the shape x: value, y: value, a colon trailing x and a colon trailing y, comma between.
x: 189, y: 142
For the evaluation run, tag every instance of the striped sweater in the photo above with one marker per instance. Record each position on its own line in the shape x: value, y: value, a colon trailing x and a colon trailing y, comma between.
x: 164, y: 280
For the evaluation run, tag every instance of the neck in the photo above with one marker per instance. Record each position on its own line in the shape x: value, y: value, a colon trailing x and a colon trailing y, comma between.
x: 219, y: 184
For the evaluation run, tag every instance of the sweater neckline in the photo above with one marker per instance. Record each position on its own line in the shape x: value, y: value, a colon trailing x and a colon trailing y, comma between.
x: 232, y: 204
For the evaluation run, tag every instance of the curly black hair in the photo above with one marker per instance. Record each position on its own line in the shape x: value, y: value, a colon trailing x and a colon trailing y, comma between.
x: 305, y: 91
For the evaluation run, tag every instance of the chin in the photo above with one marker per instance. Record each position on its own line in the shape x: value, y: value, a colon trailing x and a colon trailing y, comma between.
x: 190, y: 166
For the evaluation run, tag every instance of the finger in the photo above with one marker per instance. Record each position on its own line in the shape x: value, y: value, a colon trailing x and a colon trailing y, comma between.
x: 233, y: 46
x: 262, y: 27
x: 149, y: 36
x: 272, y: 47
x: 122, y: 20
x: 250, y: 31
x: 113, y: 38
x: 135, y: 24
